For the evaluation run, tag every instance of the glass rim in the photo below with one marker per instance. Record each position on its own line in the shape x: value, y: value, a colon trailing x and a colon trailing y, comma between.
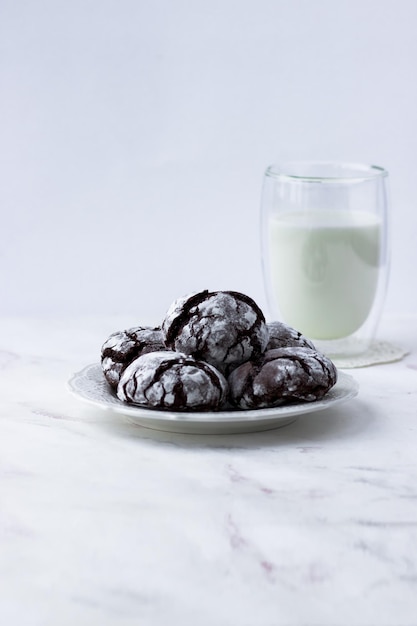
x: 348, y: 172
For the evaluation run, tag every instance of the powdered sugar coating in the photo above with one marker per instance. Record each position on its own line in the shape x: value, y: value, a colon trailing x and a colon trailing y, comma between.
x: 283, y: 336
x: 122, y: 347
x: 223, y: 328
x: 281, y: 376
x: 171, y: 380
x: 112, y: 370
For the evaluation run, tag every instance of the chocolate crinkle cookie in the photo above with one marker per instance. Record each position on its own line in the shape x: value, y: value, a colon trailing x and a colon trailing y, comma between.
x: 280, y: 376
x: 283, y: 336
x: 171, y: 380
x: 223, y: 328
x: 122, y: 347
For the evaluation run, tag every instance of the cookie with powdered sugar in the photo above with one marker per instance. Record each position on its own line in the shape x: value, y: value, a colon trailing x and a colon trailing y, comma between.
x: 223, y: 328
x: 283, y: 336
x: 122, y: 347
x: 173, y: 381
x: 280, y: 376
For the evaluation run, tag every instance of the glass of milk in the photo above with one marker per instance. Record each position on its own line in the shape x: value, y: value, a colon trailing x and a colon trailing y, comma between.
x: 325, y: 250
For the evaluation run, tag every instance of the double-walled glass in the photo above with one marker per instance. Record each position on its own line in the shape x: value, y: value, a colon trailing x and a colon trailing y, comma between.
x: 325, y: 250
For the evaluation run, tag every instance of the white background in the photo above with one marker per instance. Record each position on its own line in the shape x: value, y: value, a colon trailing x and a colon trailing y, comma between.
x: 135, y: 134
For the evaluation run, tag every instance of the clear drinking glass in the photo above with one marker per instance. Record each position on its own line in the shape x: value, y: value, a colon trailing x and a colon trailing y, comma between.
x: 325, y: 251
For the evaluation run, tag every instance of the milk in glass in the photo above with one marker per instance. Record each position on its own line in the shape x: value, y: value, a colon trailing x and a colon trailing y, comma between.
x: 324, y: 269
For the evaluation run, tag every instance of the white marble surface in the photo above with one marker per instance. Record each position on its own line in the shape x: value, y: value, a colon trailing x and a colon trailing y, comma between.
x: 105, y: 523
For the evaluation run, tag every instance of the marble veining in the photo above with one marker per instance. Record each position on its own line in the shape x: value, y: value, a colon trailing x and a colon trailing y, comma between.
x: 105, y: 522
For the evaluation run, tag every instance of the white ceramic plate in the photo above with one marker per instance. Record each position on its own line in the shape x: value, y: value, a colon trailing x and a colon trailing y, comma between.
x: 90, y: 385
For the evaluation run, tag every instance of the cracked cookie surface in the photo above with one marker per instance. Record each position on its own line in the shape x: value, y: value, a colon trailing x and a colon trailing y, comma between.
x: 122, y: 347
x: 283, y: 336
x: 280, y: 376
x: 223, y: 328
x: 174, y: 381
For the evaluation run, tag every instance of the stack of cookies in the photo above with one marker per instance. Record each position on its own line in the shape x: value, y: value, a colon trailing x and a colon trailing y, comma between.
x: 214, y: 351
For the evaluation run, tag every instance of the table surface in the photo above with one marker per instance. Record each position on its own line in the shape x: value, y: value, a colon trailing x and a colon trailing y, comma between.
x: 105, y: 522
